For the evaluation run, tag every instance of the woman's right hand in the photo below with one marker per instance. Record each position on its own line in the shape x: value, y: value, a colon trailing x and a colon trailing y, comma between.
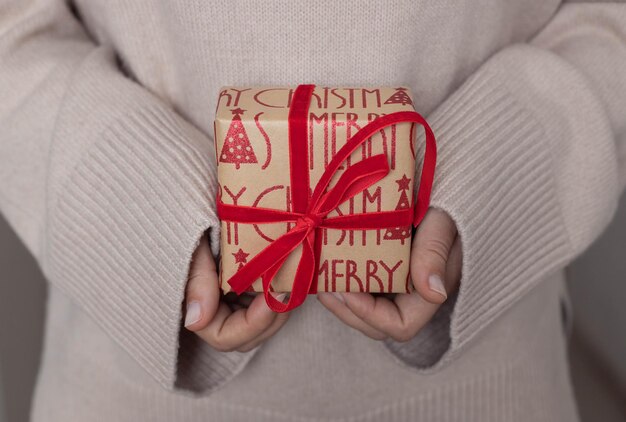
x: 239, y: 324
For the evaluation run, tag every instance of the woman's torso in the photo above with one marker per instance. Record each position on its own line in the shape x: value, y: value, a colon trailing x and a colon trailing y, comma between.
x: 183, y: 52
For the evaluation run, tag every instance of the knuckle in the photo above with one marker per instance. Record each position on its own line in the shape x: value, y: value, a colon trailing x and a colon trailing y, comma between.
x: 196, y: 288
x: 399, y: 338
x: 223, y: 348
x: 437, y: 249
x: 198, y: 278
x: 361, y: 312
x: 403, y: 334
x: 260, y: 324
x: 379, y: 336
x: 362, y: 309
x: 244, y: 349
x: 220, y: 345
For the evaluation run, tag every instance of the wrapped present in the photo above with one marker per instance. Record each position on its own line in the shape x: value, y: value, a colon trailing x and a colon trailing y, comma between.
x: 317, y: 191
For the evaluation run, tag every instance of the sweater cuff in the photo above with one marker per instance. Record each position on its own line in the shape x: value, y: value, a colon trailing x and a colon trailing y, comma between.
x: 132, y: 188
x: 504, y: 144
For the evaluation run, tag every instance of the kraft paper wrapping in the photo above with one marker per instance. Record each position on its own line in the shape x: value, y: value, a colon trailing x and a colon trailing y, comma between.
x: 252, y: 153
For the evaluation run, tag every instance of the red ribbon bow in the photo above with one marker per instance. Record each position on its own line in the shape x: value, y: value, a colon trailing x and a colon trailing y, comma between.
x: 310, y: 212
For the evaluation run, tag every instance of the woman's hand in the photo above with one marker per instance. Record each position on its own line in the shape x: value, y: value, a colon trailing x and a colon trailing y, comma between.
x: 435, y: 272
x: 241, y: 323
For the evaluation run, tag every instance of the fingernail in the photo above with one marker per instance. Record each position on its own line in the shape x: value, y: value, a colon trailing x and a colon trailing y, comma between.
x: 436, y: 285
x: 194, y: 313
x: 339, y: 297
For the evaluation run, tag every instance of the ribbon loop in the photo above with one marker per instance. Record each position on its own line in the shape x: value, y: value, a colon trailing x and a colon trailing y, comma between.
x: 311, y: 214
x: 355, y: 180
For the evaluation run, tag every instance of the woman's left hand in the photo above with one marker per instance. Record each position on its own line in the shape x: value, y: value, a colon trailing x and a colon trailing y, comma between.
x: 435, y: 272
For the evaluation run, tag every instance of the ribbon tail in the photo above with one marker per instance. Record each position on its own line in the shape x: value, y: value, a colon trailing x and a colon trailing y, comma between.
x: 276, y: 251
x: 353, y: 181
x: 302, y: 280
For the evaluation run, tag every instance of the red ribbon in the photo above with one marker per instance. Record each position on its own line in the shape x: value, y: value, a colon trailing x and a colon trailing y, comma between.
x: 310, y: 211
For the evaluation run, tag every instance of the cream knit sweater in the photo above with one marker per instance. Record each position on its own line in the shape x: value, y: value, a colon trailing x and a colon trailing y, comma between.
x: 107, y: 174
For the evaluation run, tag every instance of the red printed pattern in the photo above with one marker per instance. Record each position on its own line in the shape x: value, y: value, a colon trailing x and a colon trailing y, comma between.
x: 310, y: 211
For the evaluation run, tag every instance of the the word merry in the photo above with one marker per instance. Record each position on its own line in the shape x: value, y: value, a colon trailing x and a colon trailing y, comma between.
x: 368, y: 276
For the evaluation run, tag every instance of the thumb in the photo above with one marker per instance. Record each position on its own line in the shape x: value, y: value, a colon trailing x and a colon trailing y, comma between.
x: 202, y: 293
x: 429, y: 255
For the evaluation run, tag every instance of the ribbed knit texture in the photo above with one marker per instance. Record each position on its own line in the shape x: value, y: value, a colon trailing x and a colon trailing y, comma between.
x: 508, y: 173
x: 512, y: 385
x: 147, y: 185
x: 517, y: 182
x: 111, y: 200
x: 107, y: 174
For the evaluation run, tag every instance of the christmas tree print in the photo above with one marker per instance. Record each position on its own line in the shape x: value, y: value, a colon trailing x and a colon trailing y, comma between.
x: 400, y: 97
x: 241, y: 258
x: 400, y: 232
x: 237, y: 149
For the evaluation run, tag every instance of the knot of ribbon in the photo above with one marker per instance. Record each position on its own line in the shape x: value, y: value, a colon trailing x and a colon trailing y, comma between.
x: 311, y: 221
x: 310, y: 211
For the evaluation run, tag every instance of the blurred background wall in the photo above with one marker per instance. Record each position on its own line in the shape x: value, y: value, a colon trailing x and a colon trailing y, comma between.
x: 598, y: 344
x: 22, y: 306
x: 597, y: 285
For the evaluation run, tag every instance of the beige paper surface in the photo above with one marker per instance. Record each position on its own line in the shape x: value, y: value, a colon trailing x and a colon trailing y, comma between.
x: 252, y: 152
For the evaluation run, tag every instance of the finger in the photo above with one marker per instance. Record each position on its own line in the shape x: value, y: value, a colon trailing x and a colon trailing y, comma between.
x: 280, y: 320
x: 202, y: 291
x: 336, y: 304
x: 400, y: 319
x: 244, y: 299
x: 236, y: 302
x: 429, y: 255
x: 417, y: 310
x: 228, y: 330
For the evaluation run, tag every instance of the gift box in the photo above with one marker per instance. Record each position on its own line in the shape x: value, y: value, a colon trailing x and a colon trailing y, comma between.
x: 316, y: 189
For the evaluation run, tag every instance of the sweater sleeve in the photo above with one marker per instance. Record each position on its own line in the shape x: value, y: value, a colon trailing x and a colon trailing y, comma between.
x: 107, y: 186
x: 532, y: 161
